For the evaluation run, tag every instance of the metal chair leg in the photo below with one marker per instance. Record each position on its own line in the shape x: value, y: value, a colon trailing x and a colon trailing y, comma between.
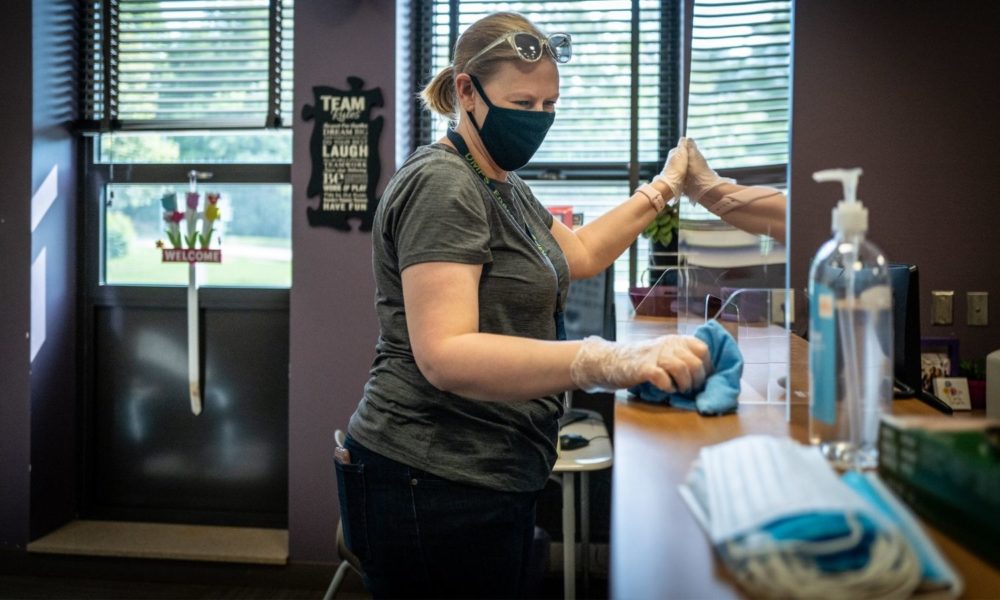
x: 338, y: 578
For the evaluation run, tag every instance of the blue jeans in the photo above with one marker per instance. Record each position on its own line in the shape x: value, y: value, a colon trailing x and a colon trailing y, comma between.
x: 418, y: 535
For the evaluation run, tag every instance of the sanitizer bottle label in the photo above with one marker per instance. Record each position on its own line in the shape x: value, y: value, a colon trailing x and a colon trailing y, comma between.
x: 823, y: 354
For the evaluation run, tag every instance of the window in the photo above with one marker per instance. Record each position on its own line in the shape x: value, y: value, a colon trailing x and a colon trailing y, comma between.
x: 739, y: 98
x: 738, y: 102
x: 174, y: 86
x: 620, y: 108
x: 588, y: 155
x: 257, y: 246
x: 186, y: 64
x: 175, y: 94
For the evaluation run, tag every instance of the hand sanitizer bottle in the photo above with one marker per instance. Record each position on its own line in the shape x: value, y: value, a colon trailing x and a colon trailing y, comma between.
x: 850, y: 335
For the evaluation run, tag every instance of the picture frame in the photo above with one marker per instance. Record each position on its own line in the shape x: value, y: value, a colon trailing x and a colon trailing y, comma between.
x: 938, y: 358
x: 953, y: 391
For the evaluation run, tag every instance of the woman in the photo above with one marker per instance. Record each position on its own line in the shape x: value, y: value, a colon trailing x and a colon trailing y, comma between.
x: 456, y: 433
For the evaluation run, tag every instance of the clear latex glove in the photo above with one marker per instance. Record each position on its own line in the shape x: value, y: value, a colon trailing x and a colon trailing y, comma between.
x: 700, y: 178
x: 675, y: 168
x: 671, y: 363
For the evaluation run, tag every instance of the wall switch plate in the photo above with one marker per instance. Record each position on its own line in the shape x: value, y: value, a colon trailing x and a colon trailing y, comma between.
x: 978, y: 307
x: 941, y: 307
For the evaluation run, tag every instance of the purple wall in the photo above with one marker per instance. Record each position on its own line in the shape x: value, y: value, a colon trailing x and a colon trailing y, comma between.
x: 333, y: 327
x: 907, y: 91
x: 15, y: 274
x: 54, y: 449
x: 38, y: 449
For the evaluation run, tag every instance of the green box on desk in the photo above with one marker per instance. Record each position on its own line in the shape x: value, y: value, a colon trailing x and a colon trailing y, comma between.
x: 948, y: 471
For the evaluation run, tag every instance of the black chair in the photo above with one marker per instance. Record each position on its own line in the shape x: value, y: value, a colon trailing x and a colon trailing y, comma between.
x: 348, y: 560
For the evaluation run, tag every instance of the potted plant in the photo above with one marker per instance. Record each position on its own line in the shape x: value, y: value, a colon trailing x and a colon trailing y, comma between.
x: 662, y: 234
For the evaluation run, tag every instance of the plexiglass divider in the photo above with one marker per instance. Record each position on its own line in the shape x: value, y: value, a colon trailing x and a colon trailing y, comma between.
x: 684, y: 298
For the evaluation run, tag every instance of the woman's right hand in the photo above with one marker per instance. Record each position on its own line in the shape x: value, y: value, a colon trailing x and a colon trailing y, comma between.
x: 700, y: 178
x: 673, y: 363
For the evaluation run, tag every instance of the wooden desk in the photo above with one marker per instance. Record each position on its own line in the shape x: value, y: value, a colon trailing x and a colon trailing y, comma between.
x: 658, y: 549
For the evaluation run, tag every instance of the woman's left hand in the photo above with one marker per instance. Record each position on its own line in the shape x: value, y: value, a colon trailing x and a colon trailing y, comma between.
x: 675, y: 168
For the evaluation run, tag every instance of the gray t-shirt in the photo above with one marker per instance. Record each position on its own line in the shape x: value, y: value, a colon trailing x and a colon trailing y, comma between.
x: 436, y: 209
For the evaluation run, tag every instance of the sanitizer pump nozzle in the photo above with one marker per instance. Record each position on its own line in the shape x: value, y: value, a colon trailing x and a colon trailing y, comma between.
x: 850, y: 216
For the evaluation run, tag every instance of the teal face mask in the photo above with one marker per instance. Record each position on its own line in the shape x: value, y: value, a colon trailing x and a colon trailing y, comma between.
x: 511, y: 136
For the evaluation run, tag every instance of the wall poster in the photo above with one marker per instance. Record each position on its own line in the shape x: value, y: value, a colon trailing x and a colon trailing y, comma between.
x: 344, y: 151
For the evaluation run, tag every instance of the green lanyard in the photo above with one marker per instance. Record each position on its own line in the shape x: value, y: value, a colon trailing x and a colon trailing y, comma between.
x: 463, y: 149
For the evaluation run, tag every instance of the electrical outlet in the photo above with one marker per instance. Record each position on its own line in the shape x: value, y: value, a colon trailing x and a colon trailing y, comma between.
x: 941, y: 307
x: 978, y: 307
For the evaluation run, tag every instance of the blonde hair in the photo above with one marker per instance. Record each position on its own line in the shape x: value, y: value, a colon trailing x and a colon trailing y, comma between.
x: 439, y: 95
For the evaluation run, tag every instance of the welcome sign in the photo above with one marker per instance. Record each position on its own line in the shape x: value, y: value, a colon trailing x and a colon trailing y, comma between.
x: 179, y: 255
x: 191, y: 231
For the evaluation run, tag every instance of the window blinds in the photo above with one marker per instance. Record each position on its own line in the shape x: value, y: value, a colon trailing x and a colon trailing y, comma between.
x: 738, y: 102
x: 188, y: 64
x: 587, y: 159
x: 593, y: 116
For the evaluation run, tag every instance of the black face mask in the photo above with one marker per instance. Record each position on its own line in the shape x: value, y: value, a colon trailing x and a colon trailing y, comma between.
x: 511, y: 136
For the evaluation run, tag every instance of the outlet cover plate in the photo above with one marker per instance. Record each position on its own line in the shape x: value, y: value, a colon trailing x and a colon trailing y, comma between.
x: 941, y: 307
x: 978, y: 308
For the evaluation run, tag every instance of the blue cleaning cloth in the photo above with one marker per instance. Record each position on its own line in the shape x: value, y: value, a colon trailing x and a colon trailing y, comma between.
x: 718, y: 396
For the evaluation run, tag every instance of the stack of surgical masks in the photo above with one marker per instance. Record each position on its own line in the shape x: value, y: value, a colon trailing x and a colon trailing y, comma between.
x: 787, y: 526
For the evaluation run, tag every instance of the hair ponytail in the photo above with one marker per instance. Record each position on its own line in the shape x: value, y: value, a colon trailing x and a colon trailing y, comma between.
x: 439, y: 95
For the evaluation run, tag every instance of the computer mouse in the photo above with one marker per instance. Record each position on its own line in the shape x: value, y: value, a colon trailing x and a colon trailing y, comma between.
x: 572, y: 441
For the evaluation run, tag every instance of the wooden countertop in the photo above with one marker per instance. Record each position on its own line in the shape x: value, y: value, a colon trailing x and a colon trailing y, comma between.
x: 658, y: 549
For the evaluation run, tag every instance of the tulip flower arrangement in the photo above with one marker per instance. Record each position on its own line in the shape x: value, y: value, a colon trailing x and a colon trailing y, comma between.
x: 192, y: 236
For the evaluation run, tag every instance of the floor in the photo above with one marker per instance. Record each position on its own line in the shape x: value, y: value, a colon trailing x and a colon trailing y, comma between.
x: 53, y: 574
x: 31, y: 588
x: 33, y: 576
x: 71, y: 588
x: 106, y: 587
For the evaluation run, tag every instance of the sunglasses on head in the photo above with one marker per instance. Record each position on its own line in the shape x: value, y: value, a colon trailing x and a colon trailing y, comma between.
x: 529, y: 46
